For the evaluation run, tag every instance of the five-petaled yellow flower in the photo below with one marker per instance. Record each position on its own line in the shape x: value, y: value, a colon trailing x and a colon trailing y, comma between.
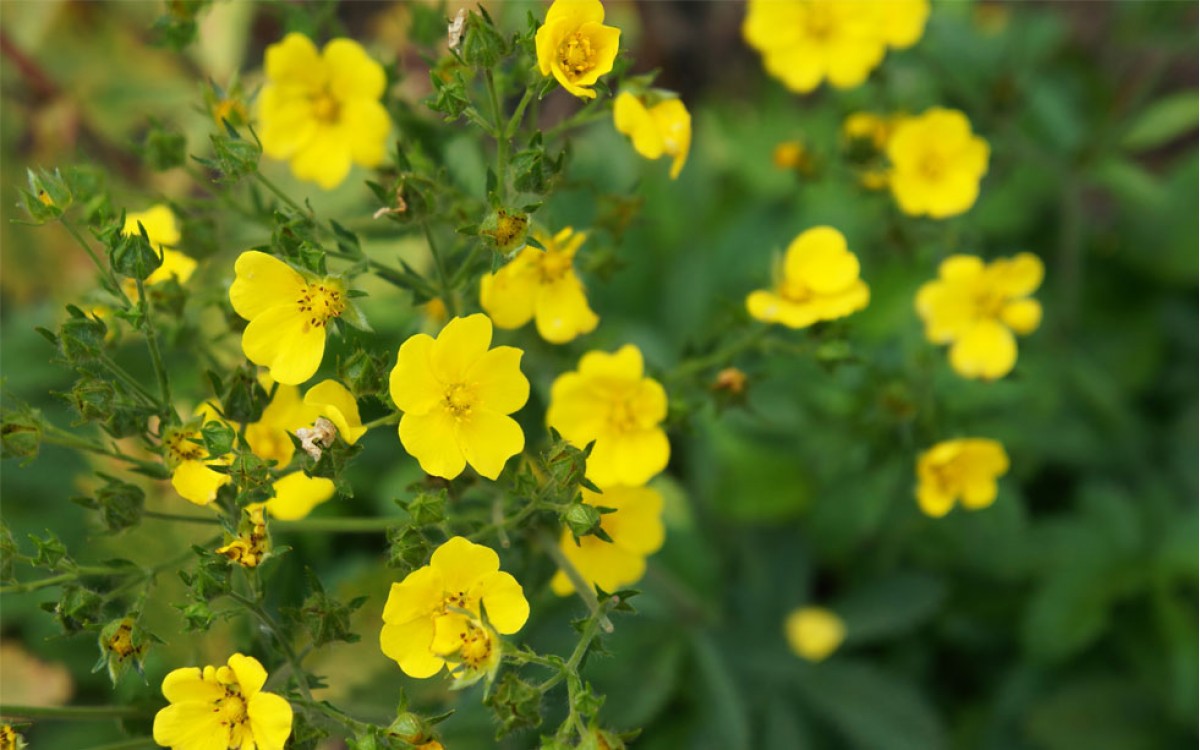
x: 288, y: 315
x: 456, y: 394
x: 216, y: 708
x: 543, y: 285
x: 977, y: 308
x: 321, y: 111
x: 661, y: 129
x: 162, y: 229
x: 609, y: 400
x: 636, y: 530
x: 819, y: 282
x: 433, y: 616
x: 964, y: 470
x: 813, y: 633
x: 937, y: 163
x: 575, y: 46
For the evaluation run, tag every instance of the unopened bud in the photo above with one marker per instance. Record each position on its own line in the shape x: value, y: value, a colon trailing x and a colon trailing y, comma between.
x: 582, y: 519
x: 506, y: 230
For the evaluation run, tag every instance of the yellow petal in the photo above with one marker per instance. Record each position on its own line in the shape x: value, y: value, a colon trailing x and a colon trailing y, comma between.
x: 270, y: 720
x: 352, y: 72
x: 500, y: 386
x: 632, y: 118
x: 197, y: 483
x: 459, y: 346
x: 637, y: 523
x: 763, y: 305
x: 188, y: 684
x: 338, y: 405
x: 576, y: 411
x: 986, y: 351
x: 599, y: 562
x: 933, y: 501
x: 412, y: 384
x: 408, y: 645
x: 431, y: 439
x: 174, y: 265
x: 630, y: 458
x: 575, y: 12
x: 159, y: 222
x: 508, y: 295
x: 488, y: 440
x: 624, y: 364
x: 819, y: 258
x: 287, y: 122
x: 814, y: 633
x: 190, y: 726
x: 366, y: 125
x: 325, y: 159
x: 262, y: 282
x: 1023, y: 315
x: 562, y: 310
x: 418, y: 596
x: 293, y: 60
x: 1019, y: 276
x: 283, y: 340
x: 463, y: 564
x: 250, y: 673
x: 504, y: 599
x: 296, y: 494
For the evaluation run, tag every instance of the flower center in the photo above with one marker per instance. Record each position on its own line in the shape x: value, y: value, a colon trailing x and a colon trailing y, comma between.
x: 932, y: 166
x: 476, y: 647
x: 180, y: 447
x: 794, y: 291
x: 622, y: 417
x: 576, y: 55
x: 948, y: 475
x: 989, y: 303
x: 326, y: 108
x: 819, y: 22
x: 231, y: 713
x: 458, y: 400
x: 320, y: 302
x: 553, y: 266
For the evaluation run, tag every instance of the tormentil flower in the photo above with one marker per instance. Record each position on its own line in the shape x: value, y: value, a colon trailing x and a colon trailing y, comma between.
x: 575, y: 46
x: 609, y: 400
x: 543, y: 285
x: 813, y: 633
x: 937, y: 163
x: 321, y: 110
x: 288, y: 315
x: 663, y: 128
x: 963, y: 470
x: 433, y: 616
x: 222, y: 707
x: 455, y: 393
x: 189, y: 462
x: 162, y: 229
x: 804, y: 42
x: 819, y: 282
x: 977, y: 308
x: 636, y: 530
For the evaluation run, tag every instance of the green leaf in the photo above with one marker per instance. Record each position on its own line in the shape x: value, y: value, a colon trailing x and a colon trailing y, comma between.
x: 889, y: 606
x: 1163, y: 121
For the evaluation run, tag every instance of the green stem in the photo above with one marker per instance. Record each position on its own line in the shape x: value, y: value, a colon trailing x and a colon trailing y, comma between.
x: 105, y: 270
x: 280, y: 194
x: 515, y: 122
x: 56, y: 436
x: 156, y: 358
x: 82, y: 571
x: 131, y: 382
x: 501, y: 134
x: 288, y: 652
x: 585, y: 115
x: 719, y: 357
x: 443, y: 279
x: 576, y: 657
x: 71, y: 713
x: 337, y: 525
x: 180, y: 517
x: 585, y: 591
x: 392, y: 418
x: 349, y: 722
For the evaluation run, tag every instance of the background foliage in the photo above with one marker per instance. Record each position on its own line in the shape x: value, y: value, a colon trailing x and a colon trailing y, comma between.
x: 1062, y: 617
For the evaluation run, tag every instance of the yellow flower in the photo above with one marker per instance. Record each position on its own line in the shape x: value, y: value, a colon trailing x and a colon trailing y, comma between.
x: 664, y: 128
x: 333, y: 401
x: 937, y: 163
x: 977, y: 308
x: 251, y: 546
x: 543, y: 285
x: 222, y: 707
x: 636, y: 530
x: 964, y: 469
x: 901, y: 22
x: 268, y: 437
x: 820, y: 282
x: 429, y: 614
x: 455, y: 393
x: 575, y: 46
x: 10, y: 739
x: 296, y: 494
x: 792, y: 155
x: 288, y: 314
x: 813, y: 633
x: 609, y: 400
x: 189, y: 462
x: 162, y: 229
x: 868, y: 127
x: 804, y: 42
x: 321, y: 110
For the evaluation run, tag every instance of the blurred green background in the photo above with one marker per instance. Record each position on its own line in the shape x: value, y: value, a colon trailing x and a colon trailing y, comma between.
x: 1063, y: 617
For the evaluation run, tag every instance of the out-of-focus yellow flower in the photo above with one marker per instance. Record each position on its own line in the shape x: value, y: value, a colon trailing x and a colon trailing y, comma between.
x: 321, y: 111
x: 964, y: 470
x: 575, y: 46
x: 813, y: 633
x: 288, y: 314
x: 868, y: 127
x: 222, y: 707
x: 189, y: 462
x: 977, y: 308
x: 456, y: 394
x: 10, y: 739
x: 819, y: 282
x: 432, y: 617
x: 609, y: 400
x: 636, y: 530
x: 991, y: 18
x: 792, y: 155
x: 542, y: 285
x: 162, y: 228
x: 664, y: 128
x: 937, y: 163
x: 268, y: 437
x: 804, y: 42
x: 296, y: 494
x: 435, y: 310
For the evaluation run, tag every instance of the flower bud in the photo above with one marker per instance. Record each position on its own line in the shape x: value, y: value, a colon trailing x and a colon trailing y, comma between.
x: 582, y: 519
x: 20, y: 434
x: 506, y: 230
x: 122, y: 644
x: 410, y: 728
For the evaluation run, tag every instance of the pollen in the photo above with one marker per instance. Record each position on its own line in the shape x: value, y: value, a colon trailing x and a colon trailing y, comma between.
x: 320, y: 302
x: 576, y: 55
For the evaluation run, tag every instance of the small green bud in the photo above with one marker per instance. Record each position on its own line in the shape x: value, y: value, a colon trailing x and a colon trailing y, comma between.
x: 218, y: 438
x: 20, y: 434
x: 582, y: 519
x: 81, y: 338
x: 482, y: 45
x: 234, y: 157
x: 407, y: 549
x: 77, y: 609
x: 132, y: 254
x: 243, y: 398
x: 516, y: 704
x: 427, y: 508
x: 92, y: 398
x: 48, y: 196
x: 505, y: 230
x: 410, y: 728
x: 363, y: 373
x: 164, y: 149
x: 120, y: 504
x: 123, y: 643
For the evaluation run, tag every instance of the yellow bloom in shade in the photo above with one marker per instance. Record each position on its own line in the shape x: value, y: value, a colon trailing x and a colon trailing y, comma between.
x: 575, y: 46
x: 804, y: 42
x: 432, y: 617
x: 321, y: 111
x: 296, y: 494
x: 813, y: 633
x: 609, y: 400
x: 288, y: 314
x: 455, y: 393
x: 937, y: 163
x: 636, y: 530
x: 976, y: 308
x: 162, y: 228
x: 661, y: 129
x: 542, y: 285
x: 215, y: 708
x: 820, y: 282
x: 963, y: 470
